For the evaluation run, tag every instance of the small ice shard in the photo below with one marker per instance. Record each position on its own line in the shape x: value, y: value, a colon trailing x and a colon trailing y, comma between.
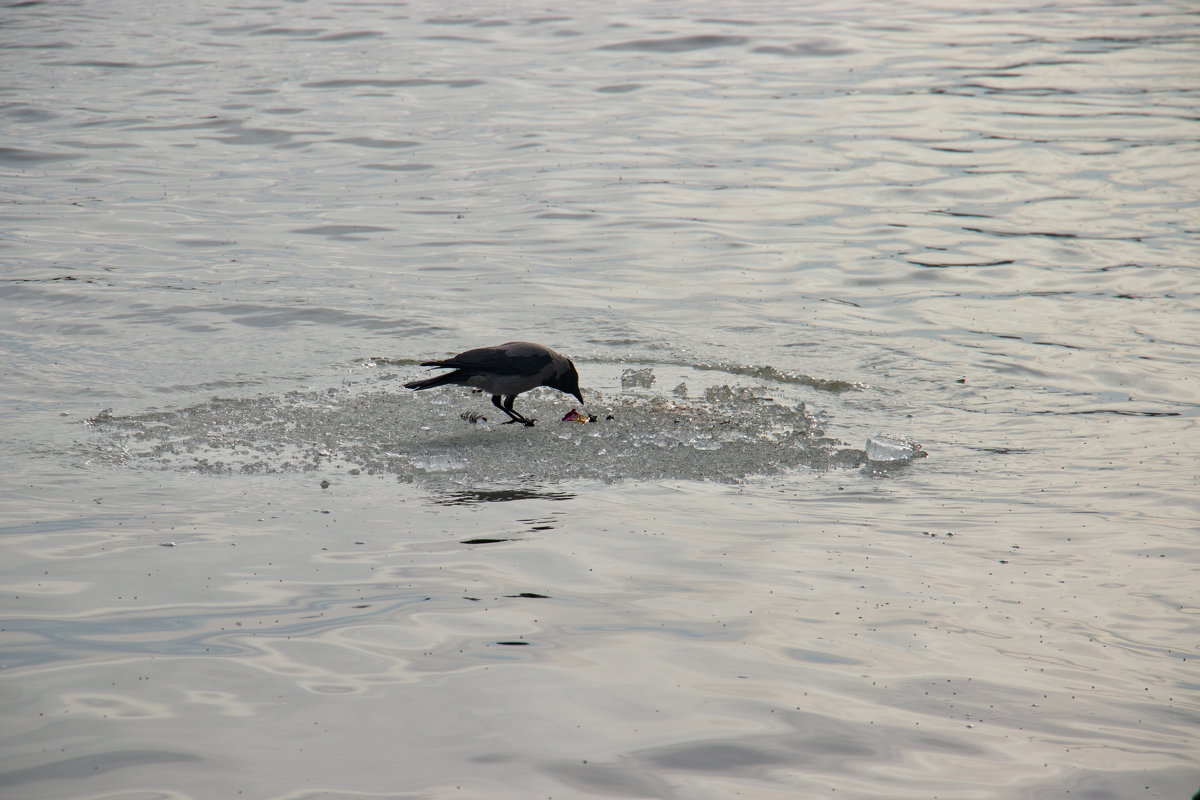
x: 718, y: 394
x: 637, y: 378
x: 892, y: 448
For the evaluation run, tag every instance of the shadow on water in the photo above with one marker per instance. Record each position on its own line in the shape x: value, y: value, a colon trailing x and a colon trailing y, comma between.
x: 469, y: 497
x: 442, y: 439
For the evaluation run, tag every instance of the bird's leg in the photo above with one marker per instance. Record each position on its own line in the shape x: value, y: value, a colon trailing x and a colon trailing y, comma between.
x: 513, y: 416
x: 517, y: 416
x: 496, y: 403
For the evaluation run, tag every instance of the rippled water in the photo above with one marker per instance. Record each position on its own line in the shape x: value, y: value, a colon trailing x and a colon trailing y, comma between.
x: 238, y: 557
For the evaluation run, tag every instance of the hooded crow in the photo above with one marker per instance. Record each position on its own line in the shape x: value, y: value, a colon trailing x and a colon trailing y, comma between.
x: 505, y: 371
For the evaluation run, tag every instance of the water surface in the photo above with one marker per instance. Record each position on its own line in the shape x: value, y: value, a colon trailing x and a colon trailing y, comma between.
x: 238, y: 557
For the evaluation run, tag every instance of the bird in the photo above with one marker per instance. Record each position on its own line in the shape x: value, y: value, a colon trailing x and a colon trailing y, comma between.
x: 505, y: 371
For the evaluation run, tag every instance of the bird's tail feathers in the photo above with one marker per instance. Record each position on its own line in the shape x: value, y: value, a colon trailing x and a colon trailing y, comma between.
x: 438, y: 380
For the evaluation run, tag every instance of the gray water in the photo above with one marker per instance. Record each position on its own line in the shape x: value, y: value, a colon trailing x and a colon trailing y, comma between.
x: 239, y: 559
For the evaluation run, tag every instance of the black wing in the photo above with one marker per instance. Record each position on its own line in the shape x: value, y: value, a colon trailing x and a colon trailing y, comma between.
x: 501, y: 360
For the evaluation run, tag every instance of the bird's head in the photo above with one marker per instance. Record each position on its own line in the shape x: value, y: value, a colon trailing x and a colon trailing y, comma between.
x: 566, y: 380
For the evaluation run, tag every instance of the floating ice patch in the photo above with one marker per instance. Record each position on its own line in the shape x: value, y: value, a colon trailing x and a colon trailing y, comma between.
x: 453, y: 436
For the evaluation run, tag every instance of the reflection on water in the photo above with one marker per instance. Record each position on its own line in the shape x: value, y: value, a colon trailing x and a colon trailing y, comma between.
x: 767, y: 233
